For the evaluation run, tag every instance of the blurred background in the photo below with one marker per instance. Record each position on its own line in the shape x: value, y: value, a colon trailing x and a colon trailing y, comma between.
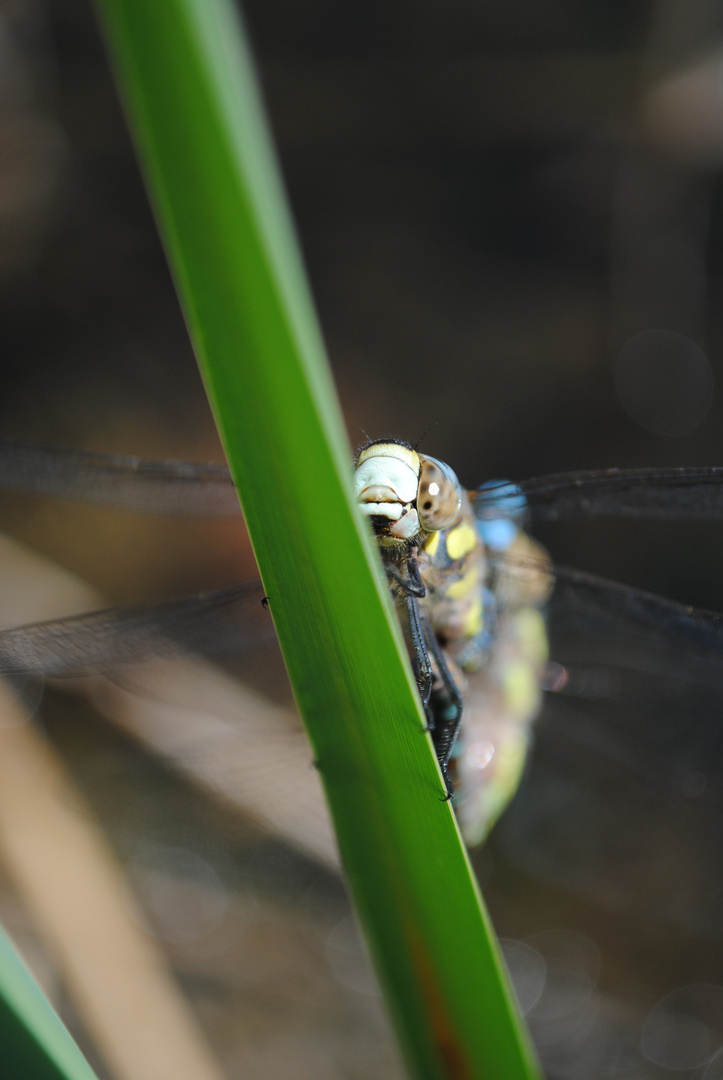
x: 512, y: 218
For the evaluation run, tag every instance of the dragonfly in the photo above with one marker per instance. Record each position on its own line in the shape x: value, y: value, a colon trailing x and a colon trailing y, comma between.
x: 619, y: 798
x: 468, y: 582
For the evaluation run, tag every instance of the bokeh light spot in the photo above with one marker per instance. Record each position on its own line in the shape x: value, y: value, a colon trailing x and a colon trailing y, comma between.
x: 664, y: 382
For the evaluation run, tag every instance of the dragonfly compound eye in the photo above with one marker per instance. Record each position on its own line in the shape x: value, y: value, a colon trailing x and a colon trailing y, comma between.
x: 439, y: 496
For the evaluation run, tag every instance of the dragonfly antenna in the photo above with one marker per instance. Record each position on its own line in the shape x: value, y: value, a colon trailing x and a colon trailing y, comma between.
x: 418, y: 443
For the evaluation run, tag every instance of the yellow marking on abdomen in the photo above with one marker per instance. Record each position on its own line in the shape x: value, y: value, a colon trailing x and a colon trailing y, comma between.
x: 464, y: 585
x: 475, y: 620
x: 520, y: 688
x: 532, y: 635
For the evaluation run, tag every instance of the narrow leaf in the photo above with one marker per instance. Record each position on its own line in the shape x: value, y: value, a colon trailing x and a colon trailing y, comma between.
x: 192, y: 100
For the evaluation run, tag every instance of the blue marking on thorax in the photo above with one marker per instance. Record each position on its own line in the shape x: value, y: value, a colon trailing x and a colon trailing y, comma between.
x: 500, y: 508
x: 497, y: 534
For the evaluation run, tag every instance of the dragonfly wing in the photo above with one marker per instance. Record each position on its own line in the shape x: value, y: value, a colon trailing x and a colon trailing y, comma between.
x: 244, y: 748
x: 231, y: 742
x: 620, y: 615
x: 173, y: 488
x: 686, y: 493
x: 622, y: 804
x: 623, y: 799
x: 225, y: 620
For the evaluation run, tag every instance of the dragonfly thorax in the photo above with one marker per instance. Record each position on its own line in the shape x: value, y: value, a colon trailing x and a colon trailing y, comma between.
x: 405, y: 494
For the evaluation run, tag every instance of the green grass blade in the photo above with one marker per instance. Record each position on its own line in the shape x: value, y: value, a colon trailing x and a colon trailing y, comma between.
x: 189, y: 88
x: 34, y: 1044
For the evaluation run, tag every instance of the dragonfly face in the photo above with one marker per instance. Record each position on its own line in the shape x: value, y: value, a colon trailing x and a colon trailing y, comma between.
x: 405, y: 494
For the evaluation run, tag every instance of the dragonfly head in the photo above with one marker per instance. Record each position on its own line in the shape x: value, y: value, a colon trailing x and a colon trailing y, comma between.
x: 405, y: 494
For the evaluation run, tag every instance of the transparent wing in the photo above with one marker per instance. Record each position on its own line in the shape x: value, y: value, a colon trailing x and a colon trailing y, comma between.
x: 687, y: 493
x: 194, y: 489
x: 629, y: 751
x: 619, y: 613
x: 615, y: 834
x: 175, y: 488
x: 234, y: 619
x: 638, y: 680
x: 622, y: 800
x: 231, y: 620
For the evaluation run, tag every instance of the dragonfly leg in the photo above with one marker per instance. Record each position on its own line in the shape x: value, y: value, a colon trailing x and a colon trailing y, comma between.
x: 445, y: 703
x: 410, y: 583
x: 441, y: 699
x: 416, y: 645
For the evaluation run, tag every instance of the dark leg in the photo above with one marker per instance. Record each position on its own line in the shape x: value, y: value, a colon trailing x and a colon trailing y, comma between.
x: 410, y: 583
x: 445, y: 704
x: 440, y: 697
x: 414, y: 637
